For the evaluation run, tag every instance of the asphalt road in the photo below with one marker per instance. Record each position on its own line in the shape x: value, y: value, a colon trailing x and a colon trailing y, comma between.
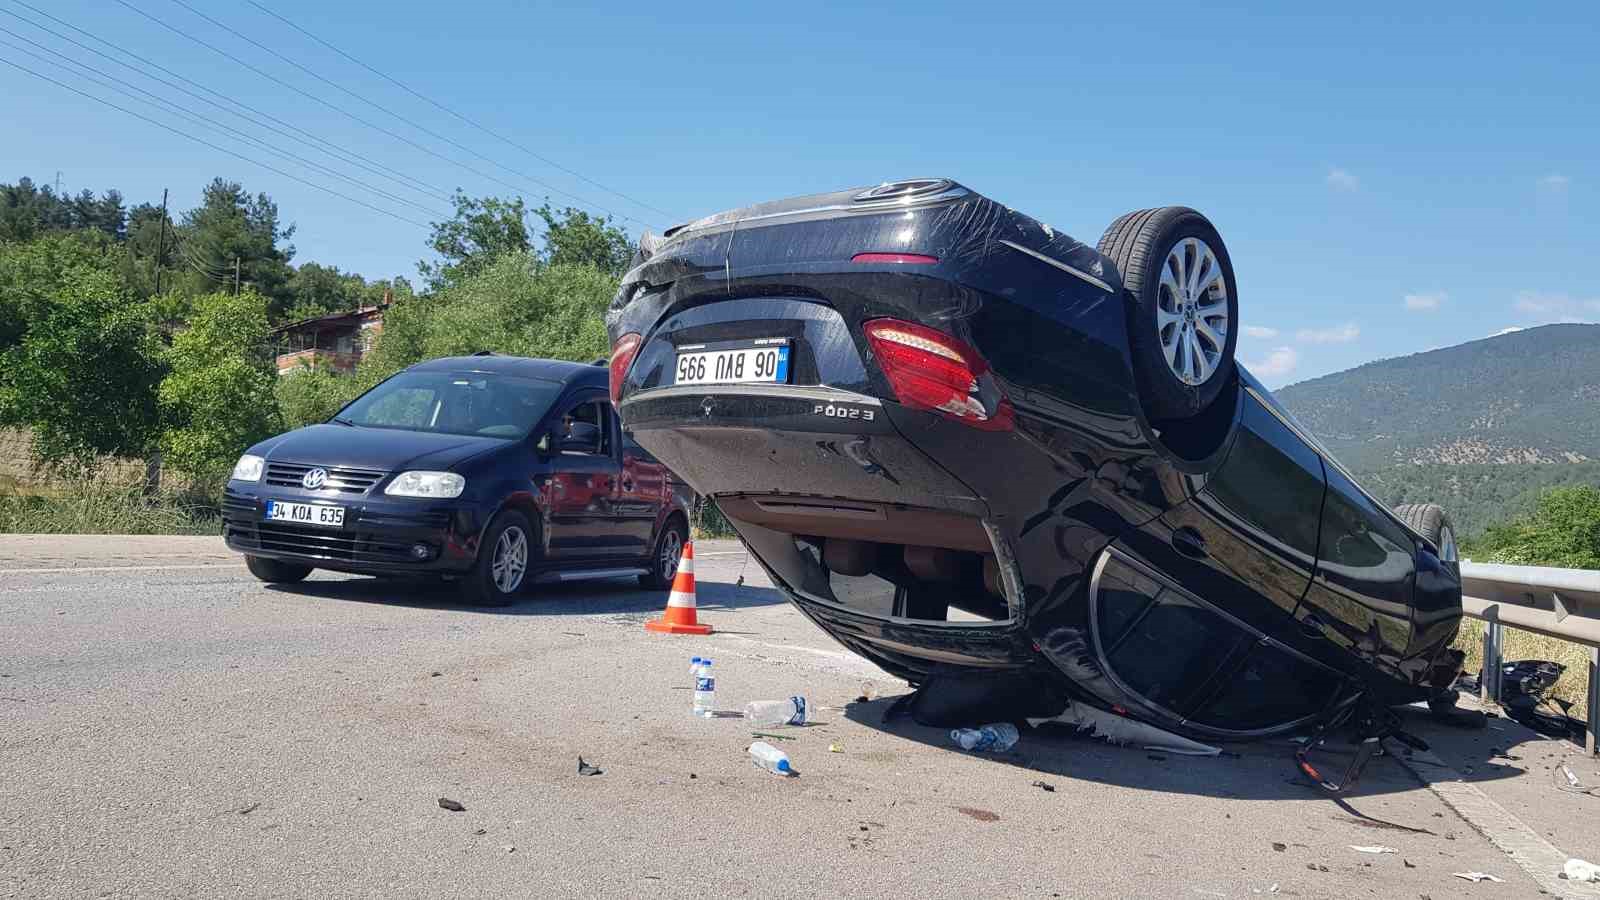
x: 171, y: 728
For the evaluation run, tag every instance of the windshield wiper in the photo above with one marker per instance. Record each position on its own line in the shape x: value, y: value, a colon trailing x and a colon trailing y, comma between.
x: 345, y: 422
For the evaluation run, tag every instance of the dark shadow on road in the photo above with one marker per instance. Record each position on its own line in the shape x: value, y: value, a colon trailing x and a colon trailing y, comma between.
x: 614, y: 596
x: 1259, y: 770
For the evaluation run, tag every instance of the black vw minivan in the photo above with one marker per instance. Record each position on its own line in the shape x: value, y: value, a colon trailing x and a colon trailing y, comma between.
x: 492, y: 470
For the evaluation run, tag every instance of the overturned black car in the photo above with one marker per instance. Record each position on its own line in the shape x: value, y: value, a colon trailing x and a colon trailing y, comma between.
x: 956, y: 437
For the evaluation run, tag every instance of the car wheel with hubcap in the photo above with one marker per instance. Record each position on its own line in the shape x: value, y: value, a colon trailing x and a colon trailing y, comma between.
x: 503, y: 561
x: 274, y: 571
x: 1183, y: 307
x: 668, y: 551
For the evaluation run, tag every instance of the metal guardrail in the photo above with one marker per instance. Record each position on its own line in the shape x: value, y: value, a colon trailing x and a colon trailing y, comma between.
x: 1559, y: 603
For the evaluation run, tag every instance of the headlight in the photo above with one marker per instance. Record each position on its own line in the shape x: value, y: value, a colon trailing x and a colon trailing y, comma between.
x: 248, y: 468
x: 426, y: 484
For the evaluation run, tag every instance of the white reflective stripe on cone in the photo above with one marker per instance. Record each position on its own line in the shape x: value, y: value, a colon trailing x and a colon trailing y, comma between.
x: 686, y: 565
x: 681, y: 600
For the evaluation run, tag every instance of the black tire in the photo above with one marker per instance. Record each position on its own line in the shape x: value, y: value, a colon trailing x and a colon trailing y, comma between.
x: 1432, y: 522
x: 1140, y: 243
x: 274, y: 571
x: 481, y: 586
x: 663, y: 568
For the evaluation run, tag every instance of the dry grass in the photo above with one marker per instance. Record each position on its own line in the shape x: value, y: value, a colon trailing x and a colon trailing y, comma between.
x: 1573, y: 685
x: 97, y: 508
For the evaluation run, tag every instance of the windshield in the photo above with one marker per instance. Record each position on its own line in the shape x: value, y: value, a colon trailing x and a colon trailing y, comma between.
x: 475, y: 403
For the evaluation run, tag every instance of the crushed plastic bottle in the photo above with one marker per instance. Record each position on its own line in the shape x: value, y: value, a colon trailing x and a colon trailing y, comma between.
x: 768, y: 757
x: 792, y: 711
x: 705, y: 691
x: 996, y: 737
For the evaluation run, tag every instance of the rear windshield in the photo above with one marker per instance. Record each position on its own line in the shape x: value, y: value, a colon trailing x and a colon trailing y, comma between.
x: 475, y: 403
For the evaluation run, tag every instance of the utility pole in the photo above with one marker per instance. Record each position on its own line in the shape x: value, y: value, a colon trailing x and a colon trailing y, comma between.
x: 58, y: 183
x: 236, y: 276
x: 162, y: 240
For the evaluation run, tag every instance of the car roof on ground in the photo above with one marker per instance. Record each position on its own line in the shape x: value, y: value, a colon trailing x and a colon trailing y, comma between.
x: 552, y: 369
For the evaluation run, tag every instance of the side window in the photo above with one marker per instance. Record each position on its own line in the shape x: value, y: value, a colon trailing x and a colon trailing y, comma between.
x: 1272, y: 480
x: 586, y: 429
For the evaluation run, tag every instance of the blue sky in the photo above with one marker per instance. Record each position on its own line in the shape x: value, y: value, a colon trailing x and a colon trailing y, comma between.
x: 1388, y: 181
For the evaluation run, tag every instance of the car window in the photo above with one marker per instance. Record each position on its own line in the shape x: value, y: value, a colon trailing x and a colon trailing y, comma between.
x: 470, y: 403
x: 585, y: 429
x: 1272, y: 480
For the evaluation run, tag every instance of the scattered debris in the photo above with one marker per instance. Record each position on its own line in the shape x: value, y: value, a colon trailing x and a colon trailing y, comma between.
x: 481, y: 832
x: 573, y: 633
x: 510, y: 849
x: 1373, y: 849
x: 435, y: 674
x: 693, y: 776
x: 1579, y: 870
x: 768, y: 734
x: 1316, y: 867
x: 835, y: 748
x: 453, y: 806
x: 982, y: 815
x: 586, y: 769
x: 1110, y: 727
x: 1044, y: 786
x: 1476, y: 877
x: 249, y: 809
x: 765, y: 756
x: 1408, y: 863
x: 869, y: 692
x: 1279, y: 846
x: 996, y: 737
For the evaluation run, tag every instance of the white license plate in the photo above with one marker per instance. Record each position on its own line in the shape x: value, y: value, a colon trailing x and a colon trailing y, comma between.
x: 742, y: 362
x: 305, y: 513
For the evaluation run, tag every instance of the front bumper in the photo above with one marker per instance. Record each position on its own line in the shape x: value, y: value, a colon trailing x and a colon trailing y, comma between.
x: 377, y: 538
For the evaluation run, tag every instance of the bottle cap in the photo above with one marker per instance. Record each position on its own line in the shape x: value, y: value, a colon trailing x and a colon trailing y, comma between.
x: 783, y: 766
x: 695, y: 659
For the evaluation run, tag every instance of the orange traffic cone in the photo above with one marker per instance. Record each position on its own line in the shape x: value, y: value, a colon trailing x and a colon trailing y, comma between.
x: 679, y: 617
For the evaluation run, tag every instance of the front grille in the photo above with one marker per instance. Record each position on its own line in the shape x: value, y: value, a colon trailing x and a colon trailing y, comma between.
x: 348, y: 546
x: 340, y: 479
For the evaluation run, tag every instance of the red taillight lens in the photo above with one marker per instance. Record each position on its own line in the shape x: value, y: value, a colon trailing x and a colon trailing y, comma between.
x: 931, y: 370
x: 621, y: 358
x: 911, y: 258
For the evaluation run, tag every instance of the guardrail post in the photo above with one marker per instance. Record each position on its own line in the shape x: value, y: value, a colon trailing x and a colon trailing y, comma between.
x: 1593, y: 740
x: 1489, y: 680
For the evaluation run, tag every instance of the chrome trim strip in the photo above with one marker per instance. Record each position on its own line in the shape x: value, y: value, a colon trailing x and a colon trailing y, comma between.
x: 1052, y: 261
x: 795, y: 391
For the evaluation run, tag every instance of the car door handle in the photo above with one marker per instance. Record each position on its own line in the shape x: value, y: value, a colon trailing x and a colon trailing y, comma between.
x: 1189, y: 542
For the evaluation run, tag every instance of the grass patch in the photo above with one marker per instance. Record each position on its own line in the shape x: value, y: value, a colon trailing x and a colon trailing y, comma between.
x: 90, y: 508
x: 709, y: 522
x: 1573, y: 685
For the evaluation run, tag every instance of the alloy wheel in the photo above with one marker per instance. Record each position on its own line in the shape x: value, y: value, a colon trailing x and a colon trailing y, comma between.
x: 671, y: 552
x: 1192, y: 311
x: 510, y: 559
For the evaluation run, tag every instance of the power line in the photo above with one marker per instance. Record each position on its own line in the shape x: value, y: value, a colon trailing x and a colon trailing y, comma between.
x: 167, y: 105
x: 344, y: 112
x: 337, y: 152
x: 216, y: 147
x: 483, y: 128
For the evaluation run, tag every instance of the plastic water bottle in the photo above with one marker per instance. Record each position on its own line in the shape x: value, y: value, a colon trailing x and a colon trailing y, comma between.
x: 694, y: 667
x: 792, y: 711
x: 705, y: 690
x: 770, y: 758
x: 996, y: 737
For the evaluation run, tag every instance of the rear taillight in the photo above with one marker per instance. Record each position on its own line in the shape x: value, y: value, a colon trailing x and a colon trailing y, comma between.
x: 931, y: 370
x: 622, y: 355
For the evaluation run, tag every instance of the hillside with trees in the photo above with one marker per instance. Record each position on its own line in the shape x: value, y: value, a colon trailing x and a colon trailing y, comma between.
x: 126, y: 335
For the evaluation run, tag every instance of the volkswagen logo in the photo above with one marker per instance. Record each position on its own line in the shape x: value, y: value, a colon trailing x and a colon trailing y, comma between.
x: 314, y: 479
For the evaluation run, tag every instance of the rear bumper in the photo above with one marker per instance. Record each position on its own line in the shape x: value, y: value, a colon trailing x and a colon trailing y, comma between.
x: 378, y: 537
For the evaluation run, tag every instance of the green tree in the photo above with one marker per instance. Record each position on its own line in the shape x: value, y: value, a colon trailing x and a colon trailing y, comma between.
x: 32, y: 272
x: 313, y: 395
x: 84, y: 373
x: 217, y: 398
x: 480, y: 231
x: 230, y: 225
x: 1563, y: 531
x: 517, y: 304
x: 573, y: 237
